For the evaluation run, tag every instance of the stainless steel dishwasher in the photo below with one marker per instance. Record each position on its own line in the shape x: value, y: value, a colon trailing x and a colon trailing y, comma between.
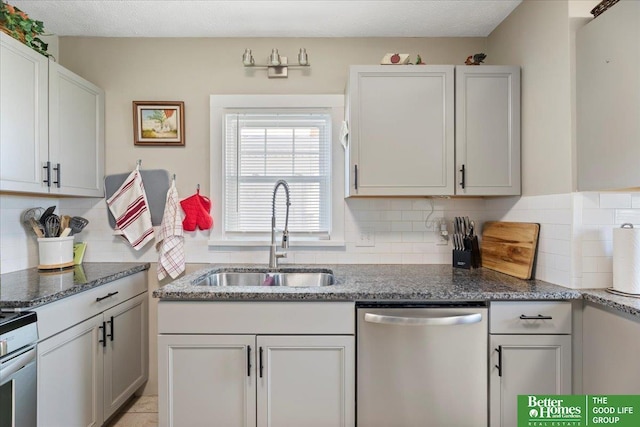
x: 422, y: 365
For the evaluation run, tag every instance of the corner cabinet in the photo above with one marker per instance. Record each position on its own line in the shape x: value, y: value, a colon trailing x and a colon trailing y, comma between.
x: 488, y: 130
x: 530, y: 353
x: 225, y: 361
x: 401, y: 130
x: 608, y: 99
x: 92, y: 353
x: 428, y: 130
x: 51, y: 126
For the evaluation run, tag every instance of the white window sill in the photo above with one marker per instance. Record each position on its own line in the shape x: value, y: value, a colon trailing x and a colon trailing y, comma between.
x: 265, y: 244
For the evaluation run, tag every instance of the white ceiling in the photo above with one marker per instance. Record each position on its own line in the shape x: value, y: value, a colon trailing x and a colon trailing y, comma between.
x: 264, y: 18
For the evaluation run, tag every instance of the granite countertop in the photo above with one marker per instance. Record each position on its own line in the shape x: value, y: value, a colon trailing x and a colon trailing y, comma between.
x: 630, y: 305
x: 378, y: 282
x: 32, y: 287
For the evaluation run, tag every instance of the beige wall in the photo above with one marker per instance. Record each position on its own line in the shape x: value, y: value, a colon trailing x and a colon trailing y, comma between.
x: 191, y: 69
x: 537, y: 37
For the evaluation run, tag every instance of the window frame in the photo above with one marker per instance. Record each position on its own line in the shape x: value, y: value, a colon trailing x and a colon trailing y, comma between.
x: 222, y: 104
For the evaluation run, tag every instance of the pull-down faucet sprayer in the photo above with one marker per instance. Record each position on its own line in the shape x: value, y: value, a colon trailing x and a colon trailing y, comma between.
x: 273, y: 253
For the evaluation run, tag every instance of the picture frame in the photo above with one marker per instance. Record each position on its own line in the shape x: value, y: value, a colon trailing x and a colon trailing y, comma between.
x: 158, y: 123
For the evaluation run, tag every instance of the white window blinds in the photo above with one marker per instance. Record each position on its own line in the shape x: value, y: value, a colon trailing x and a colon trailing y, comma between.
x: 261, y: 148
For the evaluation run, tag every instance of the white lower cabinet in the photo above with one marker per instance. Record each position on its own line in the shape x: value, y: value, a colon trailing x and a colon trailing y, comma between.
x: 88, y: 370
x: 69, y: 374
x: 248, y: 380
x: 526, y: 364
x: 522, y: 359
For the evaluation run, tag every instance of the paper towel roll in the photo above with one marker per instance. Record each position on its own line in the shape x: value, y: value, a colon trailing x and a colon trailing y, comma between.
x: 626, y: 259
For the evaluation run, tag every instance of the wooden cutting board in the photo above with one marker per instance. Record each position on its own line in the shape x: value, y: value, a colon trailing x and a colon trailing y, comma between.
x: 510, y: 247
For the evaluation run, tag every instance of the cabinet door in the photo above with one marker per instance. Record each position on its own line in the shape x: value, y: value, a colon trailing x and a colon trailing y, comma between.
x: 306, y: 381
x: 608, y: 99
x: 70, y: 376
x: 528, y: 364
x: 126, y: 352
x: 401, y: 131
x: 76, y: 134
x: 488, y: 130
x: 23, y: 117
x: 206, y: 380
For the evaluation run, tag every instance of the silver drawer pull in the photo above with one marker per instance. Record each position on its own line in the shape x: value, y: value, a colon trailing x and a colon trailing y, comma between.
x: 423, y: 321
x: 538, y: 317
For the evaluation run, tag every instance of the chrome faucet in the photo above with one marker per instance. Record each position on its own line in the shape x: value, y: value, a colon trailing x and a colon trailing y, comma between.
x: 273, y: 253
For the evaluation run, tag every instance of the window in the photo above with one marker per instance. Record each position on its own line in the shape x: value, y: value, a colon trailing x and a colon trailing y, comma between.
x: 258, y: 139
x: 261, y: 148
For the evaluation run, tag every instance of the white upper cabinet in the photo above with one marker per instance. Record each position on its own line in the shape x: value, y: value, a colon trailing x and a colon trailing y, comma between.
x: 608, y: 99
x: 23, y: 117
x: 76, y: 134
x: 408, y: 136
x: 487, y: 130
x: 51, y: 126
x: 401, y: 122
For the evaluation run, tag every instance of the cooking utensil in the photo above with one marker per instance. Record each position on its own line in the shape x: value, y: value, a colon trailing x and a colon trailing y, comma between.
x: 26, y: 216
x: 65, y: 232
x: 52, y: 226
x: 77, y: 223
x: 64, y: 222
x: 46, y: 214
x: 36, y: 227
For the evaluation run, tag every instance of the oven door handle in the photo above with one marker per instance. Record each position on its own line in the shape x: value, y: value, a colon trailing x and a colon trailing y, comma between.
x: 10, y: 367
x: 423, y: 321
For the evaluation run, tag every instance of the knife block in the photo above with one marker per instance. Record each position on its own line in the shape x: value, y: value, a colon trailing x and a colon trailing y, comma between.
x: 470, y: 256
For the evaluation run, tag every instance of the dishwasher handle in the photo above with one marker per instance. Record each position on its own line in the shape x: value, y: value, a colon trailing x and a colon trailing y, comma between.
x: 423, y: 321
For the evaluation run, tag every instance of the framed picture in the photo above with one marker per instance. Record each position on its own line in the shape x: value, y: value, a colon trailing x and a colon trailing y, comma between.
x: 158, y: 123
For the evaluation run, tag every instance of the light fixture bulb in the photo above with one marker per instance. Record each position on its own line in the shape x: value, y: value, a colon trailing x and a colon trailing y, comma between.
x: 274, y: 58
x: 303, y: 59
x: 247, y: 58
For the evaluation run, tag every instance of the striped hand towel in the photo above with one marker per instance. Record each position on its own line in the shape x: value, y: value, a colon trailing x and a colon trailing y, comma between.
x: 130, y: 208
x: 170, y: 238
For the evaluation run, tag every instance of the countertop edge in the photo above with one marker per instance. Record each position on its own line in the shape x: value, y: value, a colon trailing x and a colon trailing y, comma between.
x: 129, y: 269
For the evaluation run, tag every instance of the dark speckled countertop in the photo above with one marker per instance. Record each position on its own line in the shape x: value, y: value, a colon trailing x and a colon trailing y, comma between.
x: 31, y: 288
x: 378, y: 282
x: 395, y: 282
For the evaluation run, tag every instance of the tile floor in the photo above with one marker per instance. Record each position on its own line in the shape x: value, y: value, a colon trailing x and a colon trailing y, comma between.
x: 141, y: 411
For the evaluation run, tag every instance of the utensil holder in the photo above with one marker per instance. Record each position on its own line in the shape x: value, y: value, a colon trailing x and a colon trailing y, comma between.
x: 470, y: 256
x: 55, y: 252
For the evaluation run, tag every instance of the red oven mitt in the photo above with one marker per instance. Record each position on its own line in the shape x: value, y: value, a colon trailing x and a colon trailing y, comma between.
x: 196, y: 209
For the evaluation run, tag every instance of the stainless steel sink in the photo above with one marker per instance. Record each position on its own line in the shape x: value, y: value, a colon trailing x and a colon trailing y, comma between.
x: 303, y: 279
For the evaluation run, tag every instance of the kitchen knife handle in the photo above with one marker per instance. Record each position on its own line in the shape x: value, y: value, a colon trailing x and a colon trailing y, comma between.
x: 499, y: 365
x: 57, y: 169
x: 47, y: 181
x: 261, y: 366
x: 462, y: 182
x: 355, y: 181
x: 538, y: 317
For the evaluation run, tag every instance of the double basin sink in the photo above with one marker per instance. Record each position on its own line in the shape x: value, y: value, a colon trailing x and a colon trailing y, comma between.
x: 294, y: 277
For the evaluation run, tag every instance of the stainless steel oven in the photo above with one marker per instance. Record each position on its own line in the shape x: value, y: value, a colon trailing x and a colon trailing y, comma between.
x: 18, y: 369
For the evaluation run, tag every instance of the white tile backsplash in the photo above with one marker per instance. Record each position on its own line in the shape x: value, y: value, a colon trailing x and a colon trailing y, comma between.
x: 575, y: 245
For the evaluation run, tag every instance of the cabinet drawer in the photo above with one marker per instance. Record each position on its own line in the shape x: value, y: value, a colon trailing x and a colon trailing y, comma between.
x: 530, y: 317
x: 62, y: 314
x: 265, y: 317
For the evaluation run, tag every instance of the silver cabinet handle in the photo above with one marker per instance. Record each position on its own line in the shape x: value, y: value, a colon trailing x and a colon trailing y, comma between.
x: 423, y: 321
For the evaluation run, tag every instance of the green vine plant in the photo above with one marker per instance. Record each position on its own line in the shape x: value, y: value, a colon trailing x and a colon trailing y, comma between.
x: 18, y: 25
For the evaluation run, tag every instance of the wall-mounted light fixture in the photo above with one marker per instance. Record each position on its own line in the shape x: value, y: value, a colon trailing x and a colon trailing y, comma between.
x: 276, y: 65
